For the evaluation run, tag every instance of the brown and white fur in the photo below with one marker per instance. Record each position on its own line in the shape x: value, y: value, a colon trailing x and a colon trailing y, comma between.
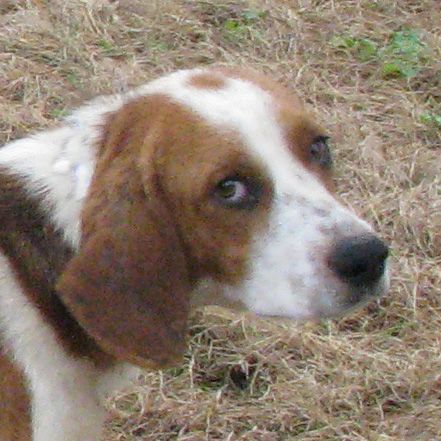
x: 206, y: 186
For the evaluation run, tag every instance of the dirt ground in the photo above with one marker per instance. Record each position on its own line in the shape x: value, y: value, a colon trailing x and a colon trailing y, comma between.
x: 371, y: 71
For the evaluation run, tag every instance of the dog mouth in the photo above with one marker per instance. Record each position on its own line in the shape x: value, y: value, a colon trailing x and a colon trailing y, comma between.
x: 350, y: 300
x: 327, y: 298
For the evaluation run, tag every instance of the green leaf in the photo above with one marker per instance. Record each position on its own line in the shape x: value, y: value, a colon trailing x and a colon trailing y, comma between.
x: 362, y: 48
x: 58, y: 113
x: 404, y: 55
x: 72, y: 78
x: 406, y: 42
x: 367, y: 49
x: 392, y: 70
x: 105, y: 45
x: 339, y: 41
x: 231, y: 25
x: 431, y: 119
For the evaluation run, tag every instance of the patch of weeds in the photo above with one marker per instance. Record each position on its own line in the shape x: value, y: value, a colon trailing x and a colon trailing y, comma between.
x: 109, y: 49
x: 363, y: 48
x: 72, y: 77
x: 403, y: 56
x: 239, y: 26
x: 399, y: 327
x: 234, y: 29
x: 324, y: 327
x: 431, y: 119
x: 58, y: 113
x: 217, y: 14
x: 158, y: 45
x: 234, y: 21
x: 105, y: 45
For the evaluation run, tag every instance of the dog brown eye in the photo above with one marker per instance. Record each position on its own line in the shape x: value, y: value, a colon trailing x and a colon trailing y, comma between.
x: 320, y: 153
x: 238, y: 192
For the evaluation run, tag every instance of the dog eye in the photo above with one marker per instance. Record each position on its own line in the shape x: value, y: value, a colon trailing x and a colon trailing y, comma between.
x: 237, y: 192
x: 320, y: 152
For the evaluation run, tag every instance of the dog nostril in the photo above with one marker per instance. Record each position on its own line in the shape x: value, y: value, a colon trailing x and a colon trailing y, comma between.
x: 359, y: 260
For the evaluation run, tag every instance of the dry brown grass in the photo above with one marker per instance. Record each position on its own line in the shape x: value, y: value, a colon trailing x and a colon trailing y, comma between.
x: 373, y: 376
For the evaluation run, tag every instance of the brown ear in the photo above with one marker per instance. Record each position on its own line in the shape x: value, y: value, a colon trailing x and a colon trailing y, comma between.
x: 128, y: 285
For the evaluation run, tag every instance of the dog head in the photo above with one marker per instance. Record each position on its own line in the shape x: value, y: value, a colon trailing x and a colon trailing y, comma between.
x: 213, y: 186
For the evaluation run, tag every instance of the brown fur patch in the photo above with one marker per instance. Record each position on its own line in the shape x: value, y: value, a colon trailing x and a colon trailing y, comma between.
x: 130, y: 263
x: 38, y: 254
x: 14, y: 403
x: 151, y: 229
x: 207, y: 81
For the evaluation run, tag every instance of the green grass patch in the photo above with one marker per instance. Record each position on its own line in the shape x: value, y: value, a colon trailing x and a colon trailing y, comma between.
x: 363, y: 48
x: 431, y: 119
x: 58, y: 113
x: 404, y: 55
x: 109, y: 49
x: 238, y: 27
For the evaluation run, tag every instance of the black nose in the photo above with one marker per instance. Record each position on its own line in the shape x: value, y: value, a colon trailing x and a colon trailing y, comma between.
x: 359, y: 260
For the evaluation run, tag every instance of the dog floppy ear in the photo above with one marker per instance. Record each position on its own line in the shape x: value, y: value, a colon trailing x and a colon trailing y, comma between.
x: 128, y: 286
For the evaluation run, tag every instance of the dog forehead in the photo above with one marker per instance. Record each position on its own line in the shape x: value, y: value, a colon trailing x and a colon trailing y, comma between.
x: 221, y: 100
x: 250, y: 107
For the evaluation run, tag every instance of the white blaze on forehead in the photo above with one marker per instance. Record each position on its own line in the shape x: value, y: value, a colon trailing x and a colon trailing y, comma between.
x: 249, y: 111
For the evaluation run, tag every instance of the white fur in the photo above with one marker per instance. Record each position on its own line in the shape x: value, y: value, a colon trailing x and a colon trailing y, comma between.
x: 48, y: 161
x: 287, y: 275
x: 59, y: 163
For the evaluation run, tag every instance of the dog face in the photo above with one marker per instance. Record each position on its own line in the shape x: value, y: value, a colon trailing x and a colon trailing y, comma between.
x: 213, y: 186
x: 252, y: 187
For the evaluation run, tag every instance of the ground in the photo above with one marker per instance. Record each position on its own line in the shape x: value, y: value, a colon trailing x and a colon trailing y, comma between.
x: 371, y: 71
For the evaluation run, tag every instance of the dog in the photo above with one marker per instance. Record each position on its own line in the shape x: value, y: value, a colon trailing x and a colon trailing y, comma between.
x: 210, y: 186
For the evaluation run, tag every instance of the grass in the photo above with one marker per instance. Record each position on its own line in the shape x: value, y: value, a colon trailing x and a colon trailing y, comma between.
x: 371, y: 70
